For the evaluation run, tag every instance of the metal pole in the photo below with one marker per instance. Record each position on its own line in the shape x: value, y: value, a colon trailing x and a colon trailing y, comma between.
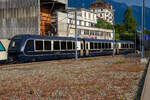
x: 135, y: 41
x: 76, y: 32
x: 113, y: 35
x: 143, y: 14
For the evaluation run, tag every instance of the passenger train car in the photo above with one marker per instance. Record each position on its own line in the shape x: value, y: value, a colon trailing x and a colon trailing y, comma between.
x: 4, y: 43
x: 38, y: 48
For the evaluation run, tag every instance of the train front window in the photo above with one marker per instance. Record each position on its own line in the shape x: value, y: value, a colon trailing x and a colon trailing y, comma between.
x: 29, y: 45
x: 15, y: 44
x: 2, y: 47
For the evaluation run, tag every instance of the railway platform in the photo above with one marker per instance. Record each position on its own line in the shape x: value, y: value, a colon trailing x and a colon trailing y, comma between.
x: 146, y: 88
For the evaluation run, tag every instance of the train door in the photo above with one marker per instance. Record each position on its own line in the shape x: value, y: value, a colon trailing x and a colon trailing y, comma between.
x: 87, y: 48
x: 82, y: 48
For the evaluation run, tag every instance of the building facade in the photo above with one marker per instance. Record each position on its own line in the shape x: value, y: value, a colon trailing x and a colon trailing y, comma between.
x: 29, y: 17
x: 86, y: 25
x: 103, y: 10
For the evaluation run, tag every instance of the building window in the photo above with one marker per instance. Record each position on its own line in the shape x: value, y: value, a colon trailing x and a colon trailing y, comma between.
x: 89, y: 15
x: 79, y: 31
x: 86, y: 32
x: 91, y: 32
x: 97, y: 33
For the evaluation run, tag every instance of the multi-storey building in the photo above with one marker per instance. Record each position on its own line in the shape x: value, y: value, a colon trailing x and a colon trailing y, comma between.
x: 103, y: 10
x: 86, y: 26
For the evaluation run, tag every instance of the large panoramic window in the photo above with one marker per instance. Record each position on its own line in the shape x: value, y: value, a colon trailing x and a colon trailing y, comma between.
x: 63, y: 45
x: 39, y: 45
x: 56, y: 45
x: 99, y: 45
x: 47, y: 45
x: 2, y: 47
x: 69, y: 45
x: 91, y: 45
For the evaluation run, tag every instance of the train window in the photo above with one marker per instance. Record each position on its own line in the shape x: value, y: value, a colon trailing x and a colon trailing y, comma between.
x: 103, y: 45
x: 56, y: 45
x: 87, y: 47
x: 81, y: 46
x: 96, y: 45
x: 91, y: 45
x: 69, y: 45
x: 39, y: 45
x: 109, y: 45
x: 121, y: 45
x: 15, y: 44
x: 99, y: 46
x: 106, y: 45
x: 29, y: 45
x: 130, y: 46
x: 127, y: 45
x: 63, y: 45
x: 73, y: 45
x: 47, y: 45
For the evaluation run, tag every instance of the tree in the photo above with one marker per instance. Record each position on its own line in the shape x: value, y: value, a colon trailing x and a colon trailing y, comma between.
x: 129, y: 20
x: 147, y: 31
x: 103, y: 24
x: 127, y: 30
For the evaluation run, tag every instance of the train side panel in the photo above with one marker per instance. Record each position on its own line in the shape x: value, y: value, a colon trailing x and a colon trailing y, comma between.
x: 4, y: 43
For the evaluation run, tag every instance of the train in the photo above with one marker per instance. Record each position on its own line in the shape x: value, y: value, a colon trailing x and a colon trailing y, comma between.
x: 29, y: 48
x: 4, y: 43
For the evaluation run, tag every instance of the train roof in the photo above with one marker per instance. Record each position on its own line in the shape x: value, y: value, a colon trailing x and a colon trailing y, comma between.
x: 121, y: 41
x: 28, y: 36
x: 98, y: 40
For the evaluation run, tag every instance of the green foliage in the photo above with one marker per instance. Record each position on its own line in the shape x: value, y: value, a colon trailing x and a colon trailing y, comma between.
x: 147, y: 31
x: 103, y: 24
x: 126, y: 31
x: 117, y: 36
x: 129, y: 20
x: 119, y: 28
x: 127, y: 36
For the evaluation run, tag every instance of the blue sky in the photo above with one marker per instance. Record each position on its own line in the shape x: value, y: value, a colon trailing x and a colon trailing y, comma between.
x: 135, y: 2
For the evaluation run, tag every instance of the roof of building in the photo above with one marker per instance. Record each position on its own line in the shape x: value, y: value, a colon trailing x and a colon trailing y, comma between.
x: 101, y: 4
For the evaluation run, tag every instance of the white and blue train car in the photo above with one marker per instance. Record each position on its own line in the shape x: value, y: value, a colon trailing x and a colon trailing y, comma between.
x: 39, y: 48
x: 4, y: 43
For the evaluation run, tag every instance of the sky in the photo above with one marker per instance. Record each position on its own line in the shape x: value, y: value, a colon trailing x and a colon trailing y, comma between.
x: 135, y: 2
